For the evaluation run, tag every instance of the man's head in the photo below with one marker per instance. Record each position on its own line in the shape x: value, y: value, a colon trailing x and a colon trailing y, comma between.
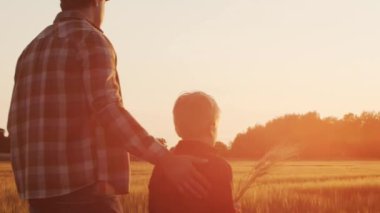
x: 196, y: 116
x: 93, y: 9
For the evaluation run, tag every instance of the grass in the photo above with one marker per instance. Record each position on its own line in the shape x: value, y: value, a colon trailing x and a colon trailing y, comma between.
x: 292, y: 187
x: 261, y: 168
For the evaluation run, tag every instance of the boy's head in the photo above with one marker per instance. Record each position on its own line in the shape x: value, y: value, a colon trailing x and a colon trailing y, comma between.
x: 195, y: 116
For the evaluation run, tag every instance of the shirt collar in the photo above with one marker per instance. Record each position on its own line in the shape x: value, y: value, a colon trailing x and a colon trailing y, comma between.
x: 194, y: 147
x: 70, y: 15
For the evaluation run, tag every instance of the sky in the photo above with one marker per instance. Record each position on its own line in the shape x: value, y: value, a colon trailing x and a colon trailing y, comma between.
x: 259, y: 59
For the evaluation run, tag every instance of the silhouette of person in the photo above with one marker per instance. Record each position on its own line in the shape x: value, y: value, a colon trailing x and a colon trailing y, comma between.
x: 195, y: 117
x: 70, y: 134
x: 2, y: 135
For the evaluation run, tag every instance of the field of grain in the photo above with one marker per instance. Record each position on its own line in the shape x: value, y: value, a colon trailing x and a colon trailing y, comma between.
x: 291, y: 187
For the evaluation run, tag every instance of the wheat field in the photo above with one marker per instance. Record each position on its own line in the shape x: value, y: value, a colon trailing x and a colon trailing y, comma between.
x: 291, y: 187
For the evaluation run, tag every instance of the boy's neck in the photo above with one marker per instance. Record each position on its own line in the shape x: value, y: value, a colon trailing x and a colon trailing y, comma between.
x: 207, y: 140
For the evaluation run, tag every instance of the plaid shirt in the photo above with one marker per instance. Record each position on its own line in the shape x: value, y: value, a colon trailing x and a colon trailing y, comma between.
x: 67, y: 124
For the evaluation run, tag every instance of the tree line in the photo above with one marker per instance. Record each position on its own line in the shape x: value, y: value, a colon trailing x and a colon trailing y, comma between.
x: 351, y: 137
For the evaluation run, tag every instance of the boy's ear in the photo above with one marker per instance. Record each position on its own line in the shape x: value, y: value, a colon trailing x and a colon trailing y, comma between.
x: 214, y: 128
x: 212, y: 124
x: 208, y: 128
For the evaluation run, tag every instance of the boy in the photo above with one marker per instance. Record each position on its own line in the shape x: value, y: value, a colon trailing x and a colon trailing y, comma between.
x: 195, y: 117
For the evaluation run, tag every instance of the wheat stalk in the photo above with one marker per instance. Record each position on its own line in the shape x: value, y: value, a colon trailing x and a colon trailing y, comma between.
x: 263, y: 167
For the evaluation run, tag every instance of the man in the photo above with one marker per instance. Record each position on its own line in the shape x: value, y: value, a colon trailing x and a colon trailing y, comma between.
x: 69, y: 131
x: 2, y: 135
x: 196, y: 118
x: 4, y: 142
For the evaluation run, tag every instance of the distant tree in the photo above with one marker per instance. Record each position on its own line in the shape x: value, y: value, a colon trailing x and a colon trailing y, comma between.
x: 221, y: 148
x: 163, y: 142
x: 352, y: 137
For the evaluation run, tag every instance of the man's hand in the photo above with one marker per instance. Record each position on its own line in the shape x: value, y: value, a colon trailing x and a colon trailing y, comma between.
x: 181, y: 172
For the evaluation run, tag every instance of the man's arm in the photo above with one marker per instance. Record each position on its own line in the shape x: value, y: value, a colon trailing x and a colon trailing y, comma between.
x: 104, y: 96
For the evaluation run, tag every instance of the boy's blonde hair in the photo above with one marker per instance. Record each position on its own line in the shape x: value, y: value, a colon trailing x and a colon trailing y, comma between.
x: 195, y: 114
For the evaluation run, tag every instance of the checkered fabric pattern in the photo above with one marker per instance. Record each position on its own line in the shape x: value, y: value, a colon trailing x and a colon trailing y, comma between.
x: 67, y: 123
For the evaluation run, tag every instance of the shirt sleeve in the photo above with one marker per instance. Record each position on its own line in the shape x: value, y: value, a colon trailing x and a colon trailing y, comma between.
x: 102, y: 90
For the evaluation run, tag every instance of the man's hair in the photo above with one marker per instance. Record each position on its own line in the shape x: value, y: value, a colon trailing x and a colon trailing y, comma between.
x: 75, y: 4
x: 194, y: 113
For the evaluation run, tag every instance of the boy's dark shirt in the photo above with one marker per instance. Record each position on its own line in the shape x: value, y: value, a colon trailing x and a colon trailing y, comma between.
x: 165, y: 198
